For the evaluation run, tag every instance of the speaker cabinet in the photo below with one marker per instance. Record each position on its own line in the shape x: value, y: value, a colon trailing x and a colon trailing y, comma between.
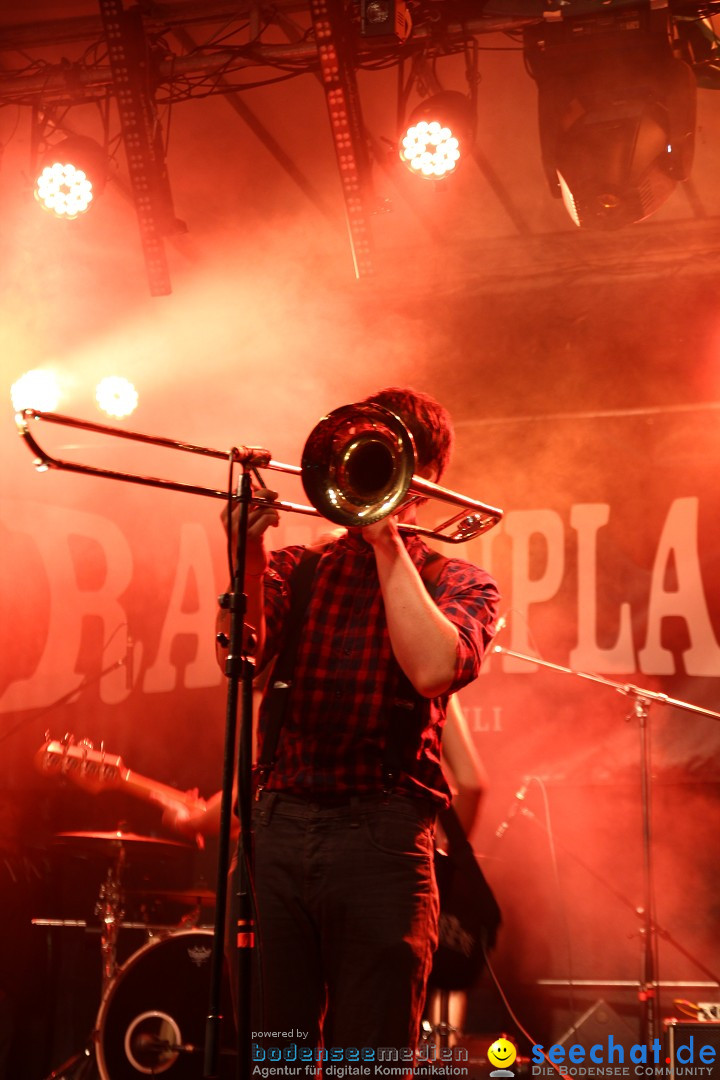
x: 596, y: 1025
x: 693, y: 1048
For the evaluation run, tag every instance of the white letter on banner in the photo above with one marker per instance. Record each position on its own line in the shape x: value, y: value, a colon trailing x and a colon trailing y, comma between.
x: 521, y: 526
x: 679, y: 542
x: 194, y: 560
x: 51, y: 529
x: 586, y: 519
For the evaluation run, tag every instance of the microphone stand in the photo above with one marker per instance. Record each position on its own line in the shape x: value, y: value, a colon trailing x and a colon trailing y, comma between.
x: 65, y: 699
x: 239, y: 669
x: 713, y: 976
x: 641, y: 701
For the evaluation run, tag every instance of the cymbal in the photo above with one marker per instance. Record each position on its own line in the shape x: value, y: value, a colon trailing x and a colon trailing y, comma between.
x: 114, y: 840
x: 179, y: 896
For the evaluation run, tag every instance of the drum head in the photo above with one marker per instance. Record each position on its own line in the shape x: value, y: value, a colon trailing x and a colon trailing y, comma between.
x: 152, y: 1020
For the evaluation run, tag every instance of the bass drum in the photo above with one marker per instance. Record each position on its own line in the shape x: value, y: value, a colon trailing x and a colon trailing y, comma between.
x: 152, y: 1019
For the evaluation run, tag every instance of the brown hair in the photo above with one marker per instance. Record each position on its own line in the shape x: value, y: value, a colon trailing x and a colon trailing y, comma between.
x: 428, y: 422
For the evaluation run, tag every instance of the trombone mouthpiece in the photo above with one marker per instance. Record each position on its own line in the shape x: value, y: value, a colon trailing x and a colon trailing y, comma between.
x: 252, y: 456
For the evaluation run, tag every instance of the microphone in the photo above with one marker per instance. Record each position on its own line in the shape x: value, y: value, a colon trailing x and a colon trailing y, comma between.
x: 146, y: 1041
x: 516, y: 807
x: 499, y: 627
x: 129, y: 662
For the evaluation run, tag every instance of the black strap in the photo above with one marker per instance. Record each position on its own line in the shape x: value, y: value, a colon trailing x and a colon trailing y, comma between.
x: 300, y: 583
x: 453, y: 830
x: 469, y: 914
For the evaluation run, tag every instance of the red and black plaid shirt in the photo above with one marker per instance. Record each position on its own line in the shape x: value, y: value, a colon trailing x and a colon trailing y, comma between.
x: 334, y: 735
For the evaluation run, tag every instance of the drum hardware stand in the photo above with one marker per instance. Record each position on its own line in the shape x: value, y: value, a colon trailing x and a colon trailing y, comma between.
x: 78, y: 1067
x: 109, y: 907
x: 439, y: 1034
x: 642, y: 699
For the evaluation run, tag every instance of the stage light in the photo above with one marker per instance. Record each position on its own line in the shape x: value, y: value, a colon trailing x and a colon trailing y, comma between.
x: 437, y: 135
x: 36, y: 389
x: 72, y: 174
x: 616, y: 113
x: 385, y: 18
x: 116, y: 396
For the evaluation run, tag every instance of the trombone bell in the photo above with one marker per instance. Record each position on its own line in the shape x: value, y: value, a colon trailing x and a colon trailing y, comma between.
x: 357, y: 464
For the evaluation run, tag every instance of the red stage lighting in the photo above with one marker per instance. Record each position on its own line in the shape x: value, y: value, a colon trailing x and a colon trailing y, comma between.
x: 437, y: 135
x: 73, y: 172
x: 36, y: 389
x: 116, y: 396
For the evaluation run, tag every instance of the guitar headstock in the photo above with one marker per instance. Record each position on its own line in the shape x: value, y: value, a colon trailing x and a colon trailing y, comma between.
x: 92, y: 769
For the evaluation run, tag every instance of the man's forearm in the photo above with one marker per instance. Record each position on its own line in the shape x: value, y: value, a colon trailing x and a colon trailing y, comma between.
x: 423, y: 640
x: 254, y: 616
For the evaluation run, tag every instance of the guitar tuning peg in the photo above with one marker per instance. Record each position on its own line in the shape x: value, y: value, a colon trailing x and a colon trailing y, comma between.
x: 86, y: 746
x: 68, y: 739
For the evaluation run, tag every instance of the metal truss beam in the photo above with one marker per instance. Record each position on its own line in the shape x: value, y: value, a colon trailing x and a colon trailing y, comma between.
x: 66, y: 80
x: 343, y: 104
x: 142, y: 136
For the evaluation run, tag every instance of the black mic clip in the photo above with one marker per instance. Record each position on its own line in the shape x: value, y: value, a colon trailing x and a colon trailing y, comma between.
x: 517, y: 806
x: 128, y: 662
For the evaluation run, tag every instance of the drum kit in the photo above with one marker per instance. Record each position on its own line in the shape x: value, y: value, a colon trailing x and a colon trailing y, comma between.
x: 153, y: 1006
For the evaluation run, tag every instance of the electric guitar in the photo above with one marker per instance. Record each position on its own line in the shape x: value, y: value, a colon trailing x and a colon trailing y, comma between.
x: 96, y: 770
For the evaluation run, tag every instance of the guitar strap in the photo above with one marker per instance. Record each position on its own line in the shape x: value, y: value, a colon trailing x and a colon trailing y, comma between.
x: 300, y: 583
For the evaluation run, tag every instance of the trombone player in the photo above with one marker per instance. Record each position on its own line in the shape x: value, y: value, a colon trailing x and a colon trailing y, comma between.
x: 344, y: 820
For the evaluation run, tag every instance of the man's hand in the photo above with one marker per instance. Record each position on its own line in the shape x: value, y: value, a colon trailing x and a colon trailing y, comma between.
x: 261, y: 516
x: 187, y: 817
x: 380, y: 531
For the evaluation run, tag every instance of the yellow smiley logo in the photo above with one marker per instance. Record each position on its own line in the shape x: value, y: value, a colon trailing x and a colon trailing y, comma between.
x: 501, y: 1053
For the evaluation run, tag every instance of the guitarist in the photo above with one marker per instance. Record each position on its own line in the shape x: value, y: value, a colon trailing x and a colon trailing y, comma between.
x: 445, y: 1008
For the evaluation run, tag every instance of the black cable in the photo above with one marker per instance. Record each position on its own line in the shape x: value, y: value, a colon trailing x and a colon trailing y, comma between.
x: 513, y: 1016
x: 229, y: 504
x: 560, y: 893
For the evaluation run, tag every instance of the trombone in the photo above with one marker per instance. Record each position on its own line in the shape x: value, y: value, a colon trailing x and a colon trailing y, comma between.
x: 358, y: 466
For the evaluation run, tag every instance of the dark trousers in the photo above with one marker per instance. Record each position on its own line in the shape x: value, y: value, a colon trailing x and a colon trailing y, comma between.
x: 347, y: 920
